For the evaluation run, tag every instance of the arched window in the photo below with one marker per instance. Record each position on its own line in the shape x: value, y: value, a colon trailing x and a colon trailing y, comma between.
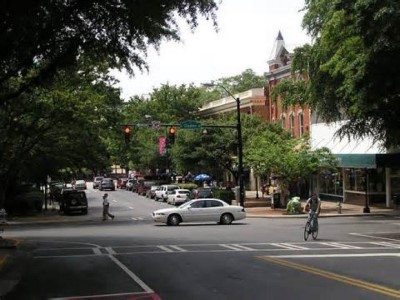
x: 283, y: 120
x: 301, y: 124
x: 292, y: 124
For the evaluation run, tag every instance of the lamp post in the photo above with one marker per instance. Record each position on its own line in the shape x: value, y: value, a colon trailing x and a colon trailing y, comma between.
x: 239, y: 138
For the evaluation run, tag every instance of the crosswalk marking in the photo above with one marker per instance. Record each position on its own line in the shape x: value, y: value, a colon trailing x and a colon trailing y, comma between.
x: 278, y: 248
x: 288, y: 246
x: 386, y: 244
x: 340, y: 245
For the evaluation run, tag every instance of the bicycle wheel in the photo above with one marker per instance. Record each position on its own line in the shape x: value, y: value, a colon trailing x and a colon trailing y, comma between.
x: 315, y: 232
x: 307, y: 230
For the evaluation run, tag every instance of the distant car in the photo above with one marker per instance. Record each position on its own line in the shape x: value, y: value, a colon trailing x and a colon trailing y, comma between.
x: 73, y: 201
x: 97, y: 181
x: 161, y: 193
x: 144, y: 186
x: 200, y: 210
x: 121, y: 183
x: 80, y: 185
x: 178, y: 196
x: 151, y: 193
x: 129, y: 184
x: 202, y: 193
x: 107, y: 184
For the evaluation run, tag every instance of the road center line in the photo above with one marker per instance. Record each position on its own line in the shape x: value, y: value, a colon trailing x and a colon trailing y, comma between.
x: 333, y: 276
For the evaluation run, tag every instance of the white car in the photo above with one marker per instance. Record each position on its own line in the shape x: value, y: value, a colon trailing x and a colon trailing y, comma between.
x: 200, y: 210
x: 80, y: 185
x: 178, y: 196
x: 162, y: 191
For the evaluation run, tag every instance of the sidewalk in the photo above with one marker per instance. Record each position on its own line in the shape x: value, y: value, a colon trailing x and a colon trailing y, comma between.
x: 328, y: 209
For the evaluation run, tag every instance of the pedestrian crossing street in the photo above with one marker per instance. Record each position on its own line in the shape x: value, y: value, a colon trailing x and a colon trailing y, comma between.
x: 313, y: 247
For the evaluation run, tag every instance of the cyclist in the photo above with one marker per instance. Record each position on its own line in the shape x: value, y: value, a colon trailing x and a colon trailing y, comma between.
x: 314, y: 205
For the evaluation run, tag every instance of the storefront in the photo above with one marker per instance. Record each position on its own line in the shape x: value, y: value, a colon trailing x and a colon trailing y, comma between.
x: 362, y: 179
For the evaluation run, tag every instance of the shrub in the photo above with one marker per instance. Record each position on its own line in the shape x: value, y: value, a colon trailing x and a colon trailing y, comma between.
x: 225, y: 195
x: 188, y: 186
x: 294, y: 206
x: 27, y: 202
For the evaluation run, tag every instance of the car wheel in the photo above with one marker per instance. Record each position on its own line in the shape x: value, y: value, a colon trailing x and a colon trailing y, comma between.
x: 174, y: 220
x: 226, y: 219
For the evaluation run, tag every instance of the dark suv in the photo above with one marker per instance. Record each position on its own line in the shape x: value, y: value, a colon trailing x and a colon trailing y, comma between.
x: 73, y: 201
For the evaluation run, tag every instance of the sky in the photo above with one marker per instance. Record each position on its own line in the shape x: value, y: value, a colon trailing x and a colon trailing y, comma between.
x: 246, y: 33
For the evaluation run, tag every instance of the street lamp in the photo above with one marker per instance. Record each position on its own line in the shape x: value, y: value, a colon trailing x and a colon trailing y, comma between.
x: 239, y: 137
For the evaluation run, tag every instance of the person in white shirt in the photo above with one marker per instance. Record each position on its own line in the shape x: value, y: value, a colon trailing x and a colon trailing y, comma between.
x: 106, y: 208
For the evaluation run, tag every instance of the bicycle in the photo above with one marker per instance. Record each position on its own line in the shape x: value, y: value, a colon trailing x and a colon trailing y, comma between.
x: 311, y: 226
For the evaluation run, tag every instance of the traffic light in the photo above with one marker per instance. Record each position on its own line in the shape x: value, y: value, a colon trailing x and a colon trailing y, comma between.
x: 127, y: 134
x: 171, y: 135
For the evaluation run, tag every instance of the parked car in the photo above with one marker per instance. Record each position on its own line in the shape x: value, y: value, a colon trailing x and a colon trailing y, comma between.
x: 151, y: 193
x: 161, y: 193
x: 202, y: 192
x: 135, y: 185
x: 129, y: 184
x: 200, y: 210
x: 97, y: 181
x: 80, y: 185
x: 178, y: 196
x: 73, y: 201
x: 144, y: 186
x: 121, y: 183
x: 107, y: 184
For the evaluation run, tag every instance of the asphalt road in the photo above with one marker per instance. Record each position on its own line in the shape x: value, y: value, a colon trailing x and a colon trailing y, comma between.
x: 131, y: 257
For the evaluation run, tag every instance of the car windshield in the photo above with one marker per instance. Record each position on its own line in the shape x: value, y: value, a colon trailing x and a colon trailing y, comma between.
x: 98, y: 178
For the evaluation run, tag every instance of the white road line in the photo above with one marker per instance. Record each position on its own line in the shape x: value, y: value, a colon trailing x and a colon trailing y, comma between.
x: 335, y: 255
x: 97, y: 251
x: 243, y: 247
x: 340, y: 246
x: 375, y: 237
x: 297, y: 246
x: 386, y: 244
x: 131, y: 274
x: 231, y: 247
x: 110, y: 250
x: 287, y: 246
x: 166, y: 249
x: 177, y: 248
x: 99, y: 296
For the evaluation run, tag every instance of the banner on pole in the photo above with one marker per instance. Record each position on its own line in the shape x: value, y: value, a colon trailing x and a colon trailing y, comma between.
x: 162, y: 141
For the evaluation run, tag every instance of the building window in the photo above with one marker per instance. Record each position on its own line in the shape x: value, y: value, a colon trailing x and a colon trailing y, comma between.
x: 292, y: 124
x: 283, y: 122
x: 301, y: 124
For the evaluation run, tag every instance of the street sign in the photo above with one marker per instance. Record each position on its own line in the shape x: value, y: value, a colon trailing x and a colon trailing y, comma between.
x: 190, y: 125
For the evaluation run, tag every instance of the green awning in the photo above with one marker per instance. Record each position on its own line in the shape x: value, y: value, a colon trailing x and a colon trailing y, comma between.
x: 357, y: 160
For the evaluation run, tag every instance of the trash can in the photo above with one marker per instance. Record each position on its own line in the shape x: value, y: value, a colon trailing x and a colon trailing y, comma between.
x: 276, y: 200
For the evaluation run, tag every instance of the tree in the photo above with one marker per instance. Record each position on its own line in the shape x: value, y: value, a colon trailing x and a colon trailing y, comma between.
x: 353, y: 66
x: 273, y: 153
x: 245, y: 81
x: 38, y: 38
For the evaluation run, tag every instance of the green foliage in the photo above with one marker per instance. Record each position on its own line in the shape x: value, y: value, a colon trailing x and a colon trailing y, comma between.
x: 245, y: 81
x: 225, y: 195
x: 353, y: 65
x: 42, y: 38
x: 25, y: 203
x: 294, y: 206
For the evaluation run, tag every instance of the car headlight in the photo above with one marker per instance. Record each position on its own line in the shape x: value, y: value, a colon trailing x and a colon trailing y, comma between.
x: 158, y: 214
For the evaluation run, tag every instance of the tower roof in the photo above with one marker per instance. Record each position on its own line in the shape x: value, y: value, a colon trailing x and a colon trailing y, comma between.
x: 279, y: 47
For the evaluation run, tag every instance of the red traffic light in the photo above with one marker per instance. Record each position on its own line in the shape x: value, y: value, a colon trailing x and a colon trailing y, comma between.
x: 172, y: 130
x: 127, y: 130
